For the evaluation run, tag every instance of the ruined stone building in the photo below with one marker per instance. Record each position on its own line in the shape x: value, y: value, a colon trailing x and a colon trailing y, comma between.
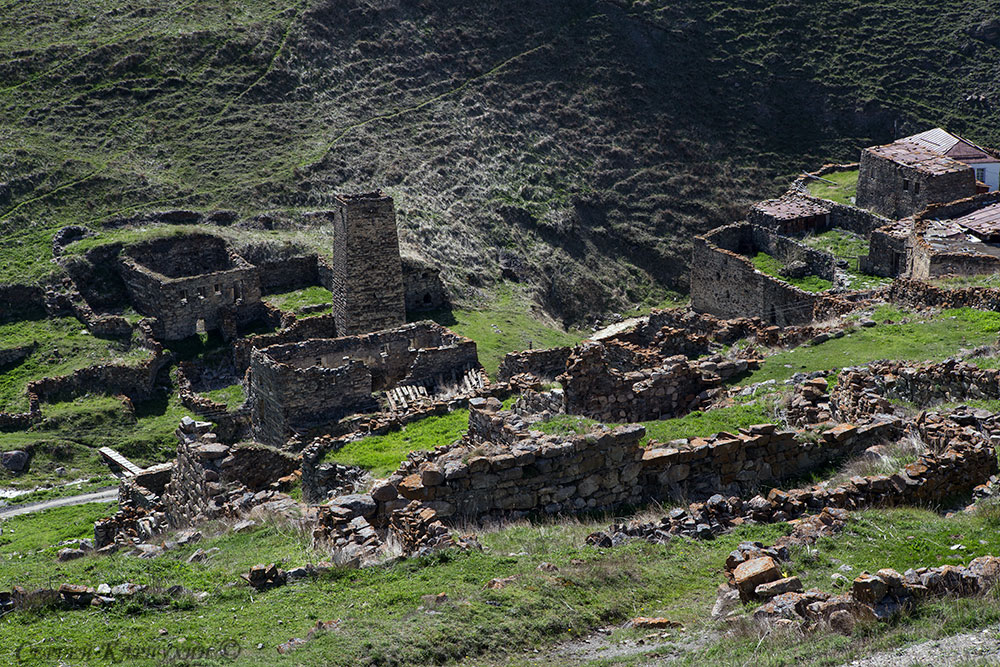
x: 295, y: 387
x: 190, y: 283
x: 724, y: 282
x: 903, y: 178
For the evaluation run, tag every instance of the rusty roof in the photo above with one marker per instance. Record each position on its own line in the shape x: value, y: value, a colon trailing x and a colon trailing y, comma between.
x: 916, y: 156
x: 984, y: 223
x: 791, y: 208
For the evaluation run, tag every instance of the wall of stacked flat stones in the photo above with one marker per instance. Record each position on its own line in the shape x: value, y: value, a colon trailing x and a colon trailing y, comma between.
x: 960, y: 264
x: 880, y: 187
x: 739, y: 464
x: 367, y: 275
x: 447, y: 362
x: 188, y: 494
x: 256, y: 466
x: 285, y: 275
x: 320, y: 326
x: 13, y: 355
x: 858, y: 391
x: 726, y: 284
x: 543, y: 364
x: 583, y: 473
x: 595, y: 389
x: 887, y: 254
x: 284, y: 400
x: 918, y: 294
x: 424, y: 289
x: 135, y: 381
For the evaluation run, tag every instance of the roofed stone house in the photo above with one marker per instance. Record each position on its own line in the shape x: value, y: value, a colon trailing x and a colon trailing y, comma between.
x: 985, y: 161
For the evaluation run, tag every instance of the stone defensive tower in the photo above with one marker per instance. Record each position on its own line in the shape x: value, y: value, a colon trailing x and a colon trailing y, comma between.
x: 367, y: 274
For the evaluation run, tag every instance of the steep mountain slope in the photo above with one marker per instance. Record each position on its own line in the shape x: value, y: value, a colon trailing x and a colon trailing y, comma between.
x: 574, y: 145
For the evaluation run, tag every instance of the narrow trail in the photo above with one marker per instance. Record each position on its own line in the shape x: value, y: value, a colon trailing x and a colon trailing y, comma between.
x: 100, y: 496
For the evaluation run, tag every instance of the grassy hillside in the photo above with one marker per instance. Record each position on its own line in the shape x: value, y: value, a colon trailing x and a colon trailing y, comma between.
x: 575, y: 143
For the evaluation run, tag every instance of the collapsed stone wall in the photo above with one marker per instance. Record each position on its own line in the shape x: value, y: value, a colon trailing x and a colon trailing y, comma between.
x: 725, y: 283
x: 888, y: 250
x: 871, y: 389
x: 542, y: 364
x: 552, y: 474
x: 916, y: 294
x: 320, y: 326
x: 596, y: 388
x: 296, y: 387
x: 14, y: 355
x: 739, y: 464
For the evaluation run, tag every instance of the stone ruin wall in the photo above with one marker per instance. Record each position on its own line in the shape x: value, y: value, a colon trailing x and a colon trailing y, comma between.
x: 424, y: 290
x: 544, y: 365
x: 223, y: 299
x: 289, y: 392
x: 916, y: 294
x: 880, y: 186
x: 367, y: 274
x: 319, y: 326
x: 285, y: 400
x: 868, y: 390
x: 595, y: 387
x: 22, y: 302
x: 725, y: 283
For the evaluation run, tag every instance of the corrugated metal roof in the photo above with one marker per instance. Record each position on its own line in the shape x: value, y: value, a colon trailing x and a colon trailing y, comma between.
x: 953, y: 146
x: 938, y: 140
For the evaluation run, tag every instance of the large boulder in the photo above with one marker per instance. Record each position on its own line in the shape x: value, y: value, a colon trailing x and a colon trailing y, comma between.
x: 15, y: 461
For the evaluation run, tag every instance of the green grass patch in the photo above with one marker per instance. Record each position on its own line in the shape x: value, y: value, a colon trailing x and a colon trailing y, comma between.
x: 63, y: 346
x: 302, y: 298
x: 504, y: 325
x: 922, y: 338
x: 232, y: 396
x: 842, y: 190
x: 772, y: 267
x: 382, y: 454
x: 41, y: 531
x: 848, y: 247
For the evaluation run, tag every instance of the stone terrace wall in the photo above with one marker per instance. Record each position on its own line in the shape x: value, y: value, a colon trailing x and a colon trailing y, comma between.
x: 596, y: 389
x: 739, y: 464
x: 135, y: 381
x: 552, y: 474
x: 285, y: 275
x: 18, y: 302
x: 725, y: 283
x: 917, y: 294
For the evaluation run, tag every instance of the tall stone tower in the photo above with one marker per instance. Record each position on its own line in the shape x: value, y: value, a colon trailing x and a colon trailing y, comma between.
x: 367, y: 275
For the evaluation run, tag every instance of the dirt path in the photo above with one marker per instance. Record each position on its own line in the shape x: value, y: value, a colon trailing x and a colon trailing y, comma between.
x: 971, y: 648
x: 100, y: 496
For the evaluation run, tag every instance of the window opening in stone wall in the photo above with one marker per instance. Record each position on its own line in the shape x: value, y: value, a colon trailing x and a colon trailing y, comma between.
x: 916, y: 188
x: 427, y: 299
x: 201, y: 292
x: 184, y: 296
x: 236, y: 291
x: 218, y: 288
x: 906, y: 184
